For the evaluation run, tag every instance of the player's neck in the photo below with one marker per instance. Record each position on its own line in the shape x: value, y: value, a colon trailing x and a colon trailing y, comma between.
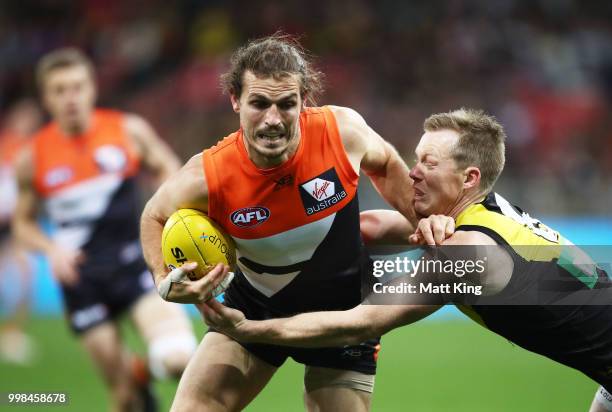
x: 463, y: 202
x: 74, y: 129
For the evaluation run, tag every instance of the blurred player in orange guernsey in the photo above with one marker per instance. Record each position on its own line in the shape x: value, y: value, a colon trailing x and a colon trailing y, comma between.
x: 81, y: 169
x: 284, y: 187
x: 21, y: 121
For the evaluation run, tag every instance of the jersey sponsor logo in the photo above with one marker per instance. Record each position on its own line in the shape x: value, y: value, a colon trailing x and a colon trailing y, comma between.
x: 322, y: 192
x: 250, y: 216
x: 110, y: 158
x: 284, y: 181
x: 58, y: 176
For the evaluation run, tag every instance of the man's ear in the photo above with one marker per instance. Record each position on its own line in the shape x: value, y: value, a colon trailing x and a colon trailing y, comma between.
x: 235, y: 103
x: 472, y: 177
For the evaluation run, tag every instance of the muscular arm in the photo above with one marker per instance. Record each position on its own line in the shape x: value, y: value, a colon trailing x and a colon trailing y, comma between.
x: 320, y: 329
x: 384, y: 227
x: 378, y: 159
x: 185, y: 189
x: 64, y: 262
x: 25, y: 228
x: 155, y: 154
x: 334, y: 328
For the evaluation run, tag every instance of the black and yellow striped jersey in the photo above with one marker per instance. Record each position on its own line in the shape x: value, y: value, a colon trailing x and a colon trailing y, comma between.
x: 527, y: 311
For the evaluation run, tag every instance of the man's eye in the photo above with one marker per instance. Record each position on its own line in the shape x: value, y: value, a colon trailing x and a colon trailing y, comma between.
x: 287, y: 105
x: 259, y: 104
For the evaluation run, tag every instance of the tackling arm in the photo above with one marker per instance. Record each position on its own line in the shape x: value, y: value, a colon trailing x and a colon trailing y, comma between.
x: 315, y: 329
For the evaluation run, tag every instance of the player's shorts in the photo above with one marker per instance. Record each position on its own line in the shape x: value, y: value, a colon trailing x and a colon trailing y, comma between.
x: 95, y: 300
x: 359, y: 358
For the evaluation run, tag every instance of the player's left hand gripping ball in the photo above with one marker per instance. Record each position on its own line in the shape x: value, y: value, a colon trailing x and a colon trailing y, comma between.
x: 191, y: 236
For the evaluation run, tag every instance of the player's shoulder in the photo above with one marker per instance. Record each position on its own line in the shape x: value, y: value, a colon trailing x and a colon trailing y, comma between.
x: 132, y: 122
x: 346, y: 115
x: 48, y: 130
x: 469, y: 237
x: 224, y: 144
x: 106, y: 114
x: 352, y: 128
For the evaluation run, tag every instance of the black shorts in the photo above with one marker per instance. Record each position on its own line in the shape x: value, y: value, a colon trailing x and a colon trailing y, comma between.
x: 95, y: 300
x: 359, y: 358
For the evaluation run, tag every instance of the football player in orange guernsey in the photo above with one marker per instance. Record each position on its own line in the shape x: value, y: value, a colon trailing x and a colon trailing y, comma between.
x: 284, y: 187
x: 81, y: 169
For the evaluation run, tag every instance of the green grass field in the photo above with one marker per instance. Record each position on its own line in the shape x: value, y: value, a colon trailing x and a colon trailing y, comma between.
x: 431, y: 366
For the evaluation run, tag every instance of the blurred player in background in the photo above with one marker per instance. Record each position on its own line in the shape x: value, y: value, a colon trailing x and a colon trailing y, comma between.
x: 81, y: 171
x: 528, y: 289
x: 21, y: 121
x: 285, y: 188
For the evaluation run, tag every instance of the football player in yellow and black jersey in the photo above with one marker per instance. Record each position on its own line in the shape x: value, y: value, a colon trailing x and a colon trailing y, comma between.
x: 533, y: 294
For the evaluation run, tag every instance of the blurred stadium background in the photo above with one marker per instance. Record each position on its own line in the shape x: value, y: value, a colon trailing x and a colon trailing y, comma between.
x: 544, y: 68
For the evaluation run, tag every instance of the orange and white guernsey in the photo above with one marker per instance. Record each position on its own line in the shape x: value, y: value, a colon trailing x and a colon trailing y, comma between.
x: 87, y: 183
x: 296, y: 226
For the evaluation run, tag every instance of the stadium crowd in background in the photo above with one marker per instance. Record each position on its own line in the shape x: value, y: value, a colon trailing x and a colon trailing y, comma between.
x: 543, y: 68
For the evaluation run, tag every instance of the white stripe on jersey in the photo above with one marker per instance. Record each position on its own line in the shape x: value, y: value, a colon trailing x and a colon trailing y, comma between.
x: 283, y: 249
x: 75, y: 210
x: 267, y: 284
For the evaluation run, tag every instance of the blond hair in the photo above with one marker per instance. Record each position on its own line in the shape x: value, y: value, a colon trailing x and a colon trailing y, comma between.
x: 481, y: 141
x: 59, y: 59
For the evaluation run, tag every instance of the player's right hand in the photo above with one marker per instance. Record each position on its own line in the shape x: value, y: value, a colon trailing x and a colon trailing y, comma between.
x: 64, y: 264
x: 226, y: 320
x: 177, y: 287
x: 433, y: 230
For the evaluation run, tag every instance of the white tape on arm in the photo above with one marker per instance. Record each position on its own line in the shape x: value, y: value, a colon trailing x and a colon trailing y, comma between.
x: 177, y: 275
x: 604, y: 398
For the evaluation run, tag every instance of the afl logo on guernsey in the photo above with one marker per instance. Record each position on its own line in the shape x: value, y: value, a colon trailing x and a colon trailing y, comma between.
x: 110, y: 158
x: 250, y: 216
x: 322, y: 192
x: 58, y: 176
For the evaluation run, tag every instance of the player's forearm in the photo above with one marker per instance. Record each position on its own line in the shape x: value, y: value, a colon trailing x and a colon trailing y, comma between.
x: 384, y: 227
x: 151, y: 229
x: 308, y: 330
x: 29, y: 235
x: 393, y: 183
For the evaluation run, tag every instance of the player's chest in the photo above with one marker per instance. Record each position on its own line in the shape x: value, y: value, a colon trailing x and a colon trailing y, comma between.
x: 282, y: 202
x: 76, y: 162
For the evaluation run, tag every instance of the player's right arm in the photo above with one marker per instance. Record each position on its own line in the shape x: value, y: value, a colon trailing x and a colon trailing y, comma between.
x: 186, y: 188
x: 27, y: 232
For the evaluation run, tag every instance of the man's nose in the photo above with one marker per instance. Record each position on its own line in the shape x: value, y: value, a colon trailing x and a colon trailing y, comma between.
x: 273, y: 117
x: 415, y: 173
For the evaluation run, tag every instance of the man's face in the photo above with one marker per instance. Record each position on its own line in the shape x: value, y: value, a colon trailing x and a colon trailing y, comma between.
x: 269, y: 116
x: 69, y: 95
x: 437, y: 182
